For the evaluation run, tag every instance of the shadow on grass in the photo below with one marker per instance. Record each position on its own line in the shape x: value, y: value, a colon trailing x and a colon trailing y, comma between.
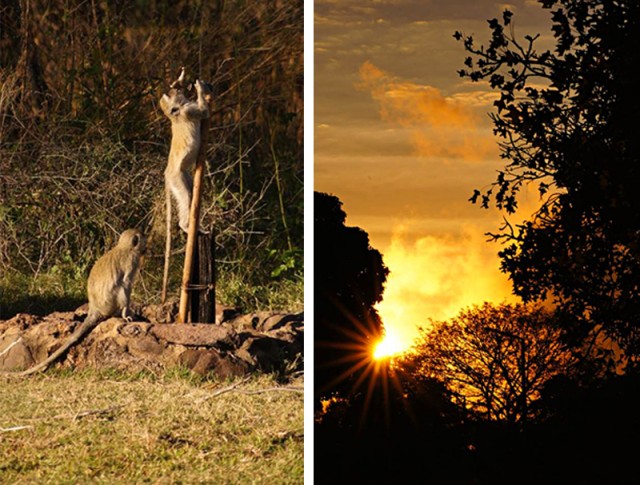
x: 39, y: 305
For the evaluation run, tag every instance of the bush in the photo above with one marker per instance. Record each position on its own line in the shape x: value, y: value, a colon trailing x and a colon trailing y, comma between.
x: 84, y: 143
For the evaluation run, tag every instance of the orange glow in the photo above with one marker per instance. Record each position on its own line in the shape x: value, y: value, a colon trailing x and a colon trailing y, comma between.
x: 391, y: 344
x: 436, y: 277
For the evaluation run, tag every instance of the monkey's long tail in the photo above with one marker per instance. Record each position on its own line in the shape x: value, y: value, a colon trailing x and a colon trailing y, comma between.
x: 167, y: 247
x: 92, y: 321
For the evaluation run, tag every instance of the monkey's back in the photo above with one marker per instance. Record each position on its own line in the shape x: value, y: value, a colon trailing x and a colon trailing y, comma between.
x: 185, y: 143
x: 106, y: 281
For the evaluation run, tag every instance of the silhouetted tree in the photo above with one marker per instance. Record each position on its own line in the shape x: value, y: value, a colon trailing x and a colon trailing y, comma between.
x: 404, y: 424
x: 567, y: 123
x: 348, y: 280
x: 588, y: 431
x: 493, y: 359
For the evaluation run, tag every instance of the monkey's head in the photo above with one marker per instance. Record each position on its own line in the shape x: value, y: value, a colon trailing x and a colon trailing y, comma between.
x: 133, y: 240
x: 172, y: 103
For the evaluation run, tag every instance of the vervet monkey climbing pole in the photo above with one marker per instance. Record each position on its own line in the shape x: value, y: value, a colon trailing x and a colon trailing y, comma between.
x: 194, y: 214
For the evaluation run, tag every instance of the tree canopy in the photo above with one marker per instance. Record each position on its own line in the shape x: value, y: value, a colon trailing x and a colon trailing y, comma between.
x: 493, y: 359
x: 566, y: 123
x: 348, y: 280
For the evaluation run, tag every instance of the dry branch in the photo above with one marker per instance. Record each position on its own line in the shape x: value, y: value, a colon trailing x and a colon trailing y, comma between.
x: 15, y: 428
x: 234, y: 388
x: 271, y: 389
x: 92, y: 412
x: 224, y: 389
x: 10, y: 345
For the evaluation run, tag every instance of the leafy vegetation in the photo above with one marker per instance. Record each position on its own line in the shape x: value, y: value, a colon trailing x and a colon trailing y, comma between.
x: 84, y: 143
x: 566, y: 121
x: 349, y: 276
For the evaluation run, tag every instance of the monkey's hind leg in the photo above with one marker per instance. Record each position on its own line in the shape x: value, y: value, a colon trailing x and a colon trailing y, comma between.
x: 182, y: 186
x: 167, y: 246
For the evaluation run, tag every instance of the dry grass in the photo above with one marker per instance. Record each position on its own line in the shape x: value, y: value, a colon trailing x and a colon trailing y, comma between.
x: 102, y: 427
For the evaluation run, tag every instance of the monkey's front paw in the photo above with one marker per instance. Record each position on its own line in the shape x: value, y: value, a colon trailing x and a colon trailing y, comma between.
x: 200, y: 231
x: 199, y: 86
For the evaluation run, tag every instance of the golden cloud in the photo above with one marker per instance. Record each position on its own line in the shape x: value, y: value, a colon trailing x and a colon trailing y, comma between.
x: 447, y: 127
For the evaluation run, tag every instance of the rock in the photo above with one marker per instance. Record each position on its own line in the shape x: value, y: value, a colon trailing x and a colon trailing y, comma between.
x: 22, y: 321
x: 225, y: 313
x: 280, y: 320
x: 162, y: 313
x: 168, y: 312
x: 14, y: 352
x: 212, y: 362
x: 266, y: 353
x: 197, y: 334
x: 147, y: 345
x: 264, y: 341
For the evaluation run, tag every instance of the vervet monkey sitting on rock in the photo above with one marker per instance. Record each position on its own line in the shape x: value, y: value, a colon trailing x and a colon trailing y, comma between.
x: 109, y: 290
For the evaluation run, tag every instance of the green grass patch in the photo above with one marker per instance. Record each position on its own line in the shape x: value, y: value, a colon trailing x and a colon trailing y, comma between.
x: 42, y: 294
x: 278, y: 294
x: 66, y: 291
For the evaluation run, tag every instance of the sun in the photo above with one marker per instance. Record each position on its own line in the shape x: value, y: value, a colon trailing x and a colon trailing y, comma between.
x: 391, y: 344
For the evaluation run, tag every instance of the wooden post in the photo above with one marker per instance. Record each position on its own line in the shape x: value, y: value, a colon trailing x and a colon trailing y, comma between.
x: 203, y: 285
x: 194, y: 216
x: 208, y: 275
x: 194, y: 284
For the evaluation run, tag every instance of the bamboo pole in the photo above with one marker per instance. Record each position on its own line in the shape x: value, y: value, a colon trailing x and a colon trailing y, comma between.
x: 194, y: 215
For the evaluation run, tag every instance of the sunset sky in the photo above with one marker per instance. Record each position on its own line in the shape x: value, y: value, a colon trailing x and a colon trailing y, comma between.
x: 402, y: 140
